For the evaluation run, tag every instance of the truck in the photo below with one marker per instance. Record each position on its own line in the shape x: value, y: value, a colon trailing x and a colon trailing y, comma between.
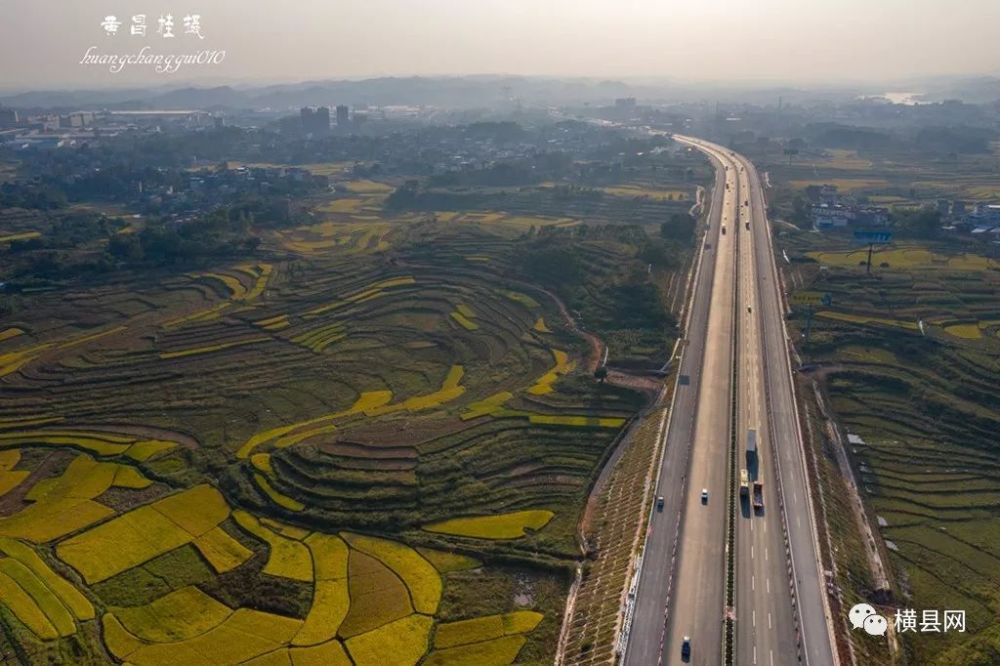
x: 758, y: 495
x: 751, y: 447
x: 744, y: 484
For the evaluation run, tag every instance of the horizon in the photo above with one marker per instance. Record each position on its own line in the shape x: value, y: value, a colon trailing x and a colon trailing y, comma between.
x: 831, y: 44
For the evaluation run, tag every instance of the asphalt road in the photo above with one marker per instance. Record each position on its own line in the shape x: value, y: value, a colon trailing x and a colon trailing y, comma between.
x: 814, y: 643
x: 686, y: 596
x: 649, y: 619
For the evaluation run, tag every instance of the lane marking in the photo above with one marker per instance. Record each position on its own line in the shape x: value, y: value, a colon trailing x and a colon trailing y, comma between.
x: 753, y: 617
x: 769, y: 619
x: 752, y: 582
x: 768, y: 581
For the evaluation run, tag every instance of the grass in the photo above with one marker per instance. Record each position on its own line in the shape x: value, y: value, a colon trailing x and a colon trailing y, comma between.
x: 485, y: 628
x: 331, y: 653
x: 331, y: 601
x: 496, y: 652
x: 68, y: 595
x: 503, y: 526
x: 464, y: 321
x: 845, y: 185
x: 242, y: 636
x: 448, y: 562
x: 349, y: 416
x: 276, y: 497
x: 419, y: 576
x: 378, y: 596
x: 25, y: 235
x: 19, y: 601
x: 221, y: 551
x: 144, y: 533
x: 177, y: 616
x: 287, y: 558
x: 924, y: 404
x: 58, y: 616
x: 405, y: 639
x: 562, y: 366
x: 965, y: 331
x: 905, y: 258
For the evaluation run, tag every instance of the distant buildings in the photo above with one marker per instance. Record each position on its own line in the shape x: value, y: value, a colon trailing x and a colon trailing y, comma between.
x: 833, y: 216
x: 315, y: 121
x: 343, y: 117
x: 8, y: 118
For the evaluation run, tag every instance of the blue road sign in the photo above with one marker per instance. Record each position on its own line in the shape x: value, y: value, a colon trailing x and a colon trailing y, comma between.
x: 873, y: 237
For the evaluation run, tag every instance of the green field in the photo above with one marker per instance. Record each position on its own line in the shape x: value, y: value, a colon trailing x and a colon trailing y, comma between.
x: 912, y: 361
x: 379, y: 431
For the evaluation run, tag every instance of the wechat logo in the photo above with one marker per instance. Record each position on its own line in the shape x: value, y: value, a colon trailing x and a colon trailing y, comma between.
x: 863, y: 616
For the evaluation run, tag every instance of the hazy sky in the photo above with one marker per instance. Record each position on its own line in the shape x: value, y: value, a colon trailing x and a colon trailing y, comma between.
x: 43, y: 41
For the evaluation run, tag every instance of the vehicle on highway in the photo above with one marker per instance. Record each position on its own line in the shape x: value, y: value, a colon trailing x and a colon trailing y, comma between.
x: 744, y: 483
x: 747, y: 225
x: 749, y: 308
x: 659, y: 503
x: 723, y: 231
x: 751, y: 447
x: 686, y: 648
x: 704, y: 495
x: 758, y: 495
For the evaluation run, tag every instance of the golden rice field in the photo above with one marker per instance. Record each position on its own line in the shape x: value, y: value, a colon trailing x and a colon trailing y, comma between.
x: 396, y: 588
x: 503, y: 526
x: 864, y: 319
x: 911, y: 258
x: 303, y: 460
x: 647, y: 192
x: 844, y: 185
x: 24, y: 235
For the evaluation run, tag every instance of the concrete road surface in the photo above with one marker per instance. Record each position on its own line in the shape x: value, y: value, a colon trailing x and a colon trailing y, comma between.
x: 780, y: 618
x: 657, y: 573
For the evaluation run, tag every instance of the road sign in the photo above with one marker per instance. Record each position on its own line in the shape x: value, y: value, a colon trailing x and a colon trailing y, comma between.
x: 807, y: 298
x: 873, y: 237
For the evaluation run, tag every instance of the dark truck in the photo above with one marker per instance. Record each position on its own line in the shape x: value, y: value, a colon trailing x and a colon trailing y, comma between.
x: 751, y: 447
x: 758, y: 495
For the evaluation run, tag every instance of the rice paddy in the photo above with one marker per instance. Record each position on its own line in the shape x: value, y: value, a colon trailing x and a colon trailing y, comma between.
x: 305, y: 459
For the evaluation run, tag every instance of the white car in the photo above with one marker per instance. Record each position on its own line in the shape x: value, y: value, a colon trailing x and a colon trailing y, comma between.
x: 704, y: 495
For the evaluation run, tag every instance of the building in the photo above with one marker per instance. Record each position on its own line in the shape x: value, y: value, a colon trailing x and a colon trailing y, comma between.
x: 8, y: 118
x: 343, y: 116
x: 838, y: 216
x: 315, y: 121
x: 831, y: 216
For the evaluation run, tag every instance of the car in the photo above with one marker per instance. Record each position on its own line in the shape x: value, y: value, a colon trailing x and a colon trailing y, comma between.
x: 704, y: 495
x: 723, y: 231
x: 686, y: 648
x: 659, y: 503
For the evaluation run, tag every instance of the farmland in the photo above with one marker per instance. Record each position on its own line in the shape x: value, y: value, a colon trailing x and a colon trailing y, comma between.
x: 379, y: 430
x: 907, y: 358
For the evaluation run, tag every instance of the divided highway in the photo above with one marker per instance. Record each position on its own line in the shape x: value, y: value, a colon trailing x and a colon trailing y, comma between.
x: 735, y: 339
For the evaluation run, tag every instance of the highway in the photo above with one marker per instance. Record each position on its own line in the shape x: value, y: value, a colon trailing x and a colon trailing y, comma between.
x: 735, y: 321
x: 657, y: 573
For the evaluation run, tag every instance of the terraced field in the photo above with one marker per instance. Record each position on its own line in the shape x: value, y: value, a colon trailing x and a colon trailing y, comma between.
x: 911, y: 360
x: 378, y: 437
